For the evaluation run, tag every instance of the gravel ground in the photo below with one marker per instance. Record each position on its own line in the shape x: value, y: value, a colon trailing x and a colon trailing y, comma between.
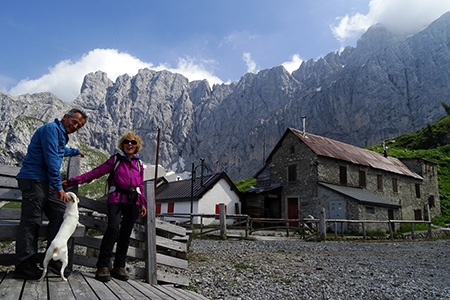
x: 290, y: 268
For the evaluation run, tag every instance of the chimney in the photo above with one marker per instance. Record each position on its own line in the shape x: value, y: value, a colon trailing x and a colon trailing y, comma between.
x: 384, y: 149
x: 304, y: 125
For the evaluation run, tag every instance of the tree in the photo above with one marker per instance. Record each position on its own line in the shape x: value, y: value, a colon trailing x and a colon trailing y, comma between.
x: 446, y: 107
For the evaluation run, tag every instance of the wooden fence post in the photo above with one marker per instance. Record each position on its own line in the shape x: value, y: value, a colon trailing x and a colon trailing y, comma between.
x: 73, y: 170
x: 322, y: 224
x: 247, y: 225
x: 223, y: 221
x: 150, y: 239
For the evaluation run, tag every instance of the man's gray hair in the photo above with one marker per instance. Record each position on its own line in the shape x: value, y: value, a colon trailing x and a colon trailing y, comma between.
x: 73, y: 111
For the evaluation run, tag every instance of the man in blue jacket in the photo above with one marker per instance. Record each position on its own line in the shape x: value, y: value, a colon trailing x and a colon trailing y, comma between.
x: 39, y: 180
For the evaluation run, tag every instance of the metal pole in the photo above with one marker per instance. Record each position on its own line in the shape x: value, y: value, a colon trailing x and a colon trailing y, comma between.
x: 192, y: 195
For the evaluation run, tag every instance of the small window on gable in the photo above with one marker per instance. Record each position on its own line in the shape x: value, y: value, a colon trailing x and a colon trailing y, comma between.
x: 417, y: 190
x: 362, y: 179
x: 380, y: 182
x: 370, y: 210
x: 292, y: 149
x: 394, y: 185
x: 342, y: 175
x: 292, y: 173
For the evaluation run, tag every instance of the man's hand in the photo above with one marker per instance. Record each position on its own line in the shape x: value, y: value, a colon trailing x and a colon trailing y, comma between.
x: 143, y: 211
x: 81, y: 153
x: 61, y: 195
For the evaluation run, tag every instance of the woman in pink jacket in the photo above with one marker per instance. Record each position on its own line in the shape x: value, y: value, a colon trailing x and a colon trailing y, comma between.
x: 126, y: 201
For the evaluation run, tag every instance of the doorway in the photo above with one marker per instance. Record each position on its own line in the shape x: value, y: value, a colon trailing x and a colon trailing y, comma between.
x: 293, y: 211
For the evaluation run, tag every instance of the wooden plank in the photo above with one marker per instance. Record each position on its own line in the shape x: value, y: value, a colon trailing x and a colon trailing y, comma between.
x: 120, y: 293
x: 9, y: 213
x: 58, y: 289
x: 80, y: 287
x: 171, y: 261
x: 150, y: 240
x: 169, y: 292
x: 94, y: 205
x: 146, y: 289
x: 86, y: 261
x: 171, y: 228
x: 127, y: 287
x: 34, y: 289
x: 90, y: 222
x: 7, y: 194
x: 183, y: 294
x: 8, y: 182
x: 10, y: 288
x: 11, y: 171
x: 172, y: 278
x: 170, y: 244
x: 9, y: 230
x: 99, y: 288
x: 154, y: 290
x: 192, y: 295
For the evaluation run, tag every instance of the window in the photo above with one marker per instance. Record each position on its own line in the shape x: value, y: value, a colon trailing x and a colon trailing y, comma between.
x: 394, y: 185
x: 418, y: 214
x: 292, y: 173
x: 370, y: 210
x: 170, y: 208
x: 431, y: 201
x: 380, y: 182
x: 292, y: 149
x: 158, y: 209
x: 342, y: 175
x: 417, y: 190
x: 362, y: 179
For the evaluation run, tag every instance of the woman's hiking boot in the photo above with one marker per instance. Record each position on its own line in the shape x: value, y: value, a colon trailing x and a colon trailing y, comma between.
x: 119, y: 273
x: 102, y: 274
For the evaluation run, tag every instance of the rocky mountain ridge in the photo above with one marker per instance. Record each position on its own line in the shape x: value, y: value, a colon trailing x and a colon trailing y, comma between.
x: 386, y: 86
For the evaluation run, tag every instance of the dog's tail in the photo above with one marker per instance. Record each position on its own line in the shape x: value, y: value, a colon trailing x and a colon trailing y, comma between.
x: 55, y: 251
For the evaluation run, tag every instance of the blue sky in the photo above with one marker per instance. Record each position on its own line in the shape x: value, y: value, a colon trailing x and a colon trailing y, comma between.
x: 51, y: 45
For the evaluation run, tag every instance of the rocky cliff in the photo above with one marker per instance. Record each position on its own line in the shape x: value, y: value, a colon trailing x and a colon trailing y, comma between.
x: 386, y: 86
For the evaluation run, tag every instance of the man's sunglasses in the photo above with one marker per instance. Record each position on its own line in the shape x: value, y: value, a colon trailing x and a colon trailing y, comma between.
x: 133, y: 142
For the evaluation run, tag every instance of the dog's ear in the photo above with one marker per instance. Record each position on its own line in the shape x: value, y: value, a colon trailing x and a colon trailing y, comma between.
x: 72, y: 197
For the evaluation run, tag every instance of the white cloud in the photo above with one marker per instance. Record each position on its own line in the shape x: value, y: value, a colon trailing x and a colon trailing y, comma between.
x: 188, y: 68
x: 294, y: 64
x: 251, y: 65
x: 65, y: 78
x: 400, y: 16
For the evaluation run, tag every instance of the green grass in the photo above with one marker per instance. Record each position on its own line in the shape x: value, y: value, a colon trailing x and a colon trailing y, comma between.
x: 427, y: 143
x: 245, y: 184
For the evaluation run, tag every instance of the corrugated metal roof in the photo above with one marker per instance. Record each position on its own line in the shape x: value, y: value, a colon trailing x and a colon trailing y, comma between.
x: 259, y: 190
x: 360, y: 195
x: 334, y: 149
x: 181, y: 190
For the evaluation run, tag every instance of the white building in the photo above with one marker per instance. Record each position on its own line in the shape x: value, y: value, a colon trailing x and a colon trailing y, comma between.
x: 205, y: 194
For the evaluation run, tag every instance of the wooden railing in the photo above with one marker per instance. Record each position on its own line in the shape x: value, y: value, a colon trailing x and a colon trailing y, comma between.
x: 317, y: 227
x: 154, y: 242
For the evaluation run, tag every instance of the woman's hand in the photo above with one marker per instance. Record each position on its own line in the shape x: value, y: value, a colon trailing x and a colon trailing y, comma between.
x: 143, y: 211
x: 64, y: 184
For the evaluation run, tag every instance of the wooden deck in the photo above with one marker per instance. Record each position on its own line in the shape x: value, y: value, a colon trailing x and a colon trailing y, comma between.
x: 84, y: 286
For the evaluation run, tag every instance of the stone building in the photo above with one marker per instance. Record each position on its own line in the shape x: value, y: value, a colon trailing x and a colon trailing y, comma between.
x: 306, y: 172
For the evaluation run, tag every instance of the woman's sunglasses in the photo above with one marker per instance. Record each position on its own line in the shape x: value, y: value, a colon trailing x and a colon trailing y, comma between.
x: 133, y: 142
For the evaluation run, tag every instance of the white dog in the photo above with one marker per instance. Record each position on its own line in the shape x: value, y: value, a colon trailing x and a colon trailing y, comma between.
x: 58, y: 247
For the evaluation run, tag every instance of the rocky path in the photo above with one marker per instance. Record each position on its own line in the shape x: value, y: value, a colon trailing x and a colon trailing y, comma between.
x: 295, y: 269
